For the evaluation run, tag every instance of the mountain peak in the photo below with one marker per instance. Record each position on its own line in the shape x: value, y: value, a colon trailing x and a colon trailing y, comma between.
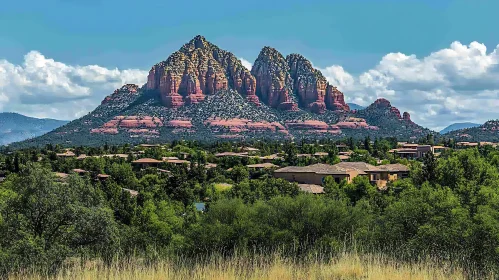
x: 274, y: 84
x: 198, y: 69
x: 198, y: 42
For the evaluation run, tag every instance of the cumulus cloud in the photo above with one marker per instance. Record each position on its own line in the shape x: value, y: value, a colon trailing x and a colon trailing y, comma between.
x: 455, y: 84
x: 246, y: 63
x: 43, y: 87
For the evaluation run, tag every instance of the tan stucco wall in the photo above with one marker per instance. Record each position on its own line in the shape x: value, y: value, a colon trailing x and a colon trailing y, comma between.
x: 307, y: 178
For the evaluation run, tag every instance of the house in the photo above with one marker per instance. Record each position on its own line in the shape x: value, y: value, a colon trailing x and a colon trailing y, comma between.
x: 184, y: 155
x: 321, y: 154
x: 66, y: 154
x: 131, y: 192
x: 343, y: 157
x: 147, y: 162
x: 82, y: 157
x: 125, y: 156
x: 61, y: 177
x: 79, y: 171
x: 303, y: 155
x: 316, y: 173
x: 262, y: 166
x: 412, y: 151
x: 342, y: 147
x: 309, y: 188
x: 231, y: 154
x: 437, y: 150
x: 250, y: 150
x: 387, y: 173
x: 465, y: 145
x: 210, y: 165
x: 168, y: 158
x: 177, y: 161
x: 270, y: 158
x: 103, y: 177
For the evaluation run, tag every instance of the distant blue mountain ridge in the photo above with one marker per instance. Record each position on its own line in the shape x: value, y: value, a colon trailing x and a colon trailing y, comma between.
x: 15, y: 127
x: 354, y: 106
x: 458, y: 126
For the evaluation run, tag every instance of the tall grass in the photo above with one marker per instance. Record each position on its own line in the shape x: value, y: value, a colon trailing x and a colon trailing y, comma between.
x: 344, y: 266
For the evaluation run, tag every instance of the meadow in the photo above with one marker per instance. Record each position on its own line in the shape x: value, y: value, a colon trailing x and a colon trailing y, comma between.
x: 345, y: 266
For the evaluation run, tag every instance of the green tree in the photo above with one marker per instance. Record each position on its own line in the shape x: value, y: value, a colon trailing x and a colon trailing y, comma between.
x: 429, y: 167
x: 47, y: 221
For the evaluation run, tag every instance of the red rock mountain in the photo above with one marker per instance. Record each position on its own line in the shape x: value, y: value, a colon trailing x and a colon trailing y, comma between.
x: 274, y: 84
x: 206, y: 94
x: 198, y: 69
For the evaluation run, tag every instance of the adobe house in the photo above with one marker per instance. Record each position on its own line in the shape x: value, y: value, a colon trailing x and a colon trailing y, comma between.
x: 66, y: 154
x: 250, y: 150
x: 175, y: 160
x: 103, y: 177
x: 80, y: 172
x: 387, y: 173
x: 147, y: 162
x: 412, y: 151
x: 316, y: 173
x: 321, y: 154
x: 262, y: 166
x: 270, y: 158
x: 437, y: 150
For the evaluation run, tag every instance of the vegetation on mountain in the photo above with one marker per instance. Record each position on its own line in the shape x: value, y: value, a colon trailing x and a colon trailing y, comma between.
x: 487, y: 132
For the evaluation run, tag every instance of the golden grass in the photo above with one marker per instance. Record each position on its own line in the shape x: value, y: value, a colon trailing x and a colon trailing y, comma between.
x: 221, y: 187
x: 348, y: 266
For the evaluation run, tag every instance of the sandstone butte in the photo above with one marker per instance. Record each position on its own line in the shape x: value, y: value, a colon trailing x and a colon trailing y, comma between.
x: 200, y: 68
x: 197, y: 69
x: 384, y: 103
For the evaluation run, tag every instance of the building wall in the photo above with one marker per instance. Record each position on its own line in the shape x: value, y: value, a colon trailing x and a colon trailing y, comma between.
x: 308, y: 178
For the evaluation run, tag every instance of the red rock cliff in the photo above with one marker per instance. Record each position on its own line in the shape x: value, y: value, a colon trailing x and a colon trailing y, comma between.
x: 309, y: 84
x: 407, y: 117
x: 197, y: 69
x: 335, y: 100
x: 274, y: 85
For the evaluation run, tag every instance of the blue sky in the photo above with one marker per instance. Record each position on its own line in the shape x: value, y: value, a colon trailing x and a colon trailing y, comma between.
x: 354, y: 34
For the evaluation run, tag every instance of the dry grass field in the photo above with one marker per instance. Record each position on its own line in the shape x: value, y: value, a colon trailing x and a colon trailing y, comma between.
x: 348, y: 266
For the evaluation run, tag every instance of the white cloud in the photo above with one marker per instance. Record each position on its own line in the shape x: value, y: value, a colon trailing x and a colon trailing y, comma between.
x: 43, y: 87
x: 459, y: 83
x: 246, y: 63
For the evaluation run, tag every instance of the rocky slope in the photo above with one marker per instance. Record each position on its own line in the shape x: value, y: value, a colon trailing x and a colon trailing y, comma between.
x: 274, y: 84
x: 198, y: 69
x: 204, y: 93
x: 487, y: 132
